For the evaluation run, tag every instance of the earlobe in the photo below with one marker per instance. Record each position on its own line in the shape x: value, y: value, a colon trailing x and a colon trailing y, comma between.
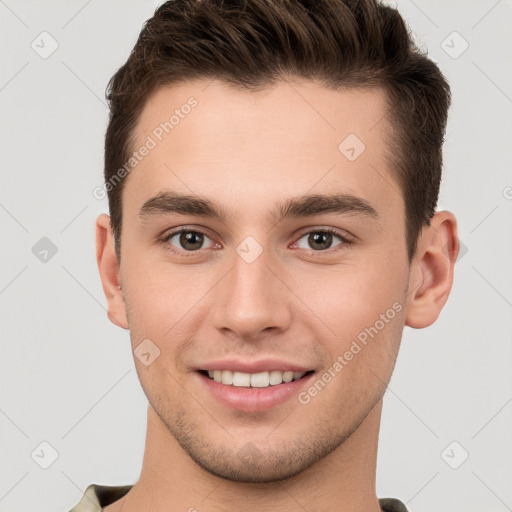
x: 431, y: 275
x: 108, y: 266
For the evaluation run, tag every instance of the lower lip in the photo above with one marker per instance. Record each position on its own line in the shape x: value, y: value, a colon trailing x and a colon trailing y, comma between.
x: 254, y: 399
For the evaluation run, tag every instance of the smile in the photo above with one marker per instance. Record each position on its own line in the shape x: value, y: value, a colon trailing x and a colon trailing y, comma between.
x: 253, y: 392
x: 253, y: 380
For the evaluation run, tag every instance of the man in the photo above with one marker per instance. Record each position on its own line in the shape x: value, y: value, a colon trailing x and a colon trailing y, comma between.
x: 273, y: 168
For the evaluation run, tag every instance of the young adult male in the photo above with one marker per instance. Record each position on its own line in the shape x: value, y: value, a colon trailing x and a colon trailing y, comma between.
x: 273, y: 168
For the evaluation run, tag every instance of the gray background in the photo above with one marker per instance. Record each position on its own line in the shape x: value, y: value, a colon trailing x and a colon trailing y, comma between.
x: 67, y: 374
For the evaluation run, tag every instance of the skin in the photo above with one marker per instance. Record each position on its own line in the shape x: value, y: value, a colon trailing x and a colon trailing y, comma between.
x: 249, y: 151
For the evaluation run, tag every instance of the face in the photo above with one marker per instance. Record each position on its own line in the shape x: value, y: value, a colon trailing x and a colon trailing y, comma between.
x: 276, y: 284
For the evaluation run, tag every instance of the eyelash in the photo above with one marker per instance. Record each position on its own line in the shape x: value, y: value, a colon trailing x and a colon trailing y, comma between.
x: 345, y: 241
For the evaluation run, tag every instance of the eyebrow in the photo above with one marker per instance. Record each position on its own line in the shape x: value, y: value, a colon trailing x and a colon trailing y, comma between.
x: 296, y: 207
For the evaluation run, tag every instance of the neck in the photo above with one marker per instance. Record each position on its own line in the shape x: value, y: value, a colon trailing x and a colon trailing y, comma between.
x: 170, y: 480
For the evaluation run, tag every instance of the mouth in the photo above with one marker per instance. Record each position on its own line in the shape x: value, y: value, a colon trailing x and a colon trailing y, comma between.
x: 253, y: 392
x: 260, y: 380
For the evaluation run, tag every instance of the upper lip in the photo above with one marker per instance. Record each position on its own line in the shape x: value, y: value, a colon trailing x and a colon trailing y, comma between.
x: 255, y: 366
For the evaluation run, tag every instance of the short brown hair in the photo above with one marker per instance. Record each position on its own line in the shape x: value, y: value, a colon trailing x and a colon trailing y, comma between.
x: 253, y: 43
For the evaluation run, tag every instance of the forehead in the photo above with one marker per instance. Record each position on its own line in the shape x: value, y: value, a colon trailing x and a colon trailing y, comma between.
x: 304, y: 106
x: 216, y: 140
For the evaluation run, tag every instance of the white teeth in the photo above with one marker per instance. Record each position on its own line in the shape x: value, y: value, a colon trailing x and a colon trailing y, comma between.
x: 227, y: 377
x: 255, y: 380
x: 287, y: 376
x: 241, y: 379
x: 260, y: 380
x: 275, y: 377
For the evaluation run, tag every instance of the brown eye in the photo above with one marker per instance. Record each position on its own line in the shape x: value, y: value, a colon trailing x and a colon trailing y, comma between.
x: 187, y: 240
x: 321, y: 240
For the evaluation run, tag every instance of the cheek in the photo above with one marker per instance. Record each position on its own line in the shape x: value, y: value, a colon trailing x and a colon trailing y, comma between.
x: 365, y: 313
x: 165, y: 302
x: 146, y: 298
x: 365, y: 310
x: 352, y: 298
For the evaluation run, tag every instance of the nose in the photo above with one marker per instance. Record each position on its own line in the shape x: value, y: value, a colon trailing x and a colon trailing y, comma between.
x: 252, y: 299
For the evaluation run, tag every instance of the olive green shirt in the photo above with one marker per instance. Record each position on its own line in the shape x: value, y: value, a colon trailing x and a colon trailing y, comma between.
x: 98, y: 496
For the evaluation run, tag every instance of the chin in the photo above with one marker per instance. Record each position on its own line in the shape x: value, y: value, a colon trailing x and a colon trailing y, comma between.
x: 263, y: 471
x: 263, y: 464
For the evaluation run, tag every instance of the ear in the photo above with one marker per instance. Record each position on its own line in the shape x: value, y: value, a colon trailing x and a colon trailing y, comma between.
x: 108, y: 266
x: 431, y: 274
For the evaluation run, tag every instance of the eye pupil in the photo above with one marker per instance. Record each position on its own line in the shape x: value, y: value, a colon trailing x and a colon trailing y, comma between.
x: 317, y: 237
x: 191, y: 241
x: 191, y: 237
